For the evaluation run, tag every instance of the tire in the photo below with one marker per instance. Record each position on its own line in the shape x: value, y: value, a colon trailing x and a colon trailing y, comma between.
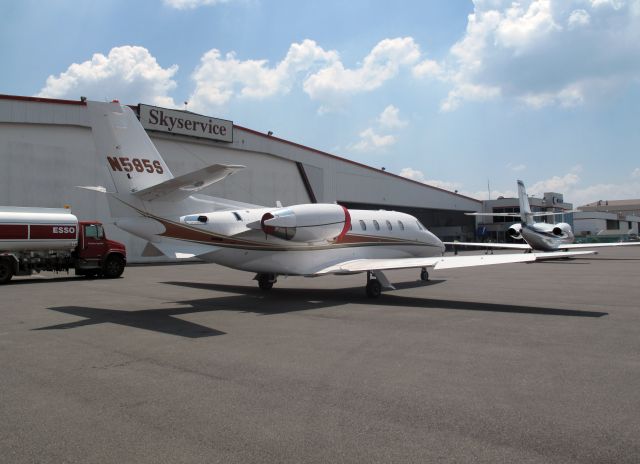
x: 424, y: 275
x: 265, y: 281
x: 113, y: 267
x: 6, y: 271
x: 374, y: 289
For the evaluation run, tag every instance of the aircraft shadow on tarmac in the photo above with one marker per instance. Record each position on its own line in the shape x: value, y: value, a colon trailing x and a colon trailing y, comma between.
x: 250, y: 299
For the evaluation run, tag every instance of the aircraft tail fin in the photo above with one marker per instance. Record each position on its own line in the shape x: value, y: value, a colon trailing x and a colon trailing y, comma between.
x: 136, y: 167
x: 525, y: 208
x: 123, y: 145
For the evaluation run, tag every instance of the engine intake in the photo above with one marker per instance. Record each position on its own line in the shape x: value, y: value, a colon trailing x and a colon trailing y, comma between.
x: 515, y: 231
x: 561, y: 229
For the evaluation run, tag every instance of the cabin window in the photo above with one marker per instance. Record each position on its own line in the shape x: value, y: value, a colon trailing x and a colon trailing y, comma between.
x: 237, y: 215
x: 389, y: 226
x: 419, y: 225
x: 363, y: 226
x: 350, y: 227
x: 401, y: 225
x: 376, y: 225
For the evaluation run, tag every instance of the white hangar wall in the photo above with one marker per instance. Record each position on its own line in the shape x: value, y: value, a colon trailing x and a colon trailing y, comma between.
x: 46, y: 150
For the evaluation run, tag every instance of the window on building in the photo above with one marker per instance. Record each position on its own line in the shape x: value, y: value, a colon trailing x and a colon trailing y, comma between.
x: 401, y: 225
x: 613, y: 224
x: 363, y: 226
x: 376, y: 226
x: 504, y: 210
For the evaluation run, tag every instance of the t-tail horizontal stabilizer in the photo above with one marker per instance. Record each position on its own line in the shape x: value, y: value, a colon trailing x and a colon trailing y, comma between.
x: 181, y: 187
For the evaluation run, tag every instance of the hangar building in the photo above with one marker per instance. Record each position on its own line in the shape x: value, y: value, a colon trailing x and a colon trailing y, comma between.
x: 46, y: 150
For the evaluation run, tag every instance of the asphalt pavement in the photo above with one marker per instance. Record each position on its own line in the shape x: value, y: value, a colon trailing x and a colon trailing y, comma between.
x: 519, y: 363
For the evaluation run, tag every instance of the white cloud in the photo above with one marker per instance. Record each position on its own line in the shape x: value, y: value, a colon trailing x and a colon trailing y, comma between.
x: 191, y: 4
x: 568, y: 184
x: 467, y: 91
x: 372, y: 141
x: 542, y: 52
x: 615, y: 4
x: 390, y: 118
x: 578, y: 18
x: 332, y: 83
x: 521, y: 28
x: 413, y: 174
x: 218, y: 78
x: 558, y: 184
x: 592, y: 193
x: 427, y: 68
x: 517, y: 167
x: 128, y: 73
x: 417, y: 175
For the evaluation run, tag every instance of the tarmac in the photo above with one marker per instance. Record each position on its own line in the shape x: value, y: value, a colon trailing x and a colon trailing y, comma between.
x: 518, y: 363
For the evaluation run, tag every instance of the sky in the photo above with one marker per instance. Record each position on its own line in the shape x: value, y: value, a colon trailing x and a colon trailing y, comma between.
x: 466, y: 96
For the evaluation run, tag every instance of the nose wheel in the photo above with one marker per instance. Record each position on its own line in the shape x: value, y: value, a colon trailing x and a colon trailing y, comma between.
x: 424, y: 275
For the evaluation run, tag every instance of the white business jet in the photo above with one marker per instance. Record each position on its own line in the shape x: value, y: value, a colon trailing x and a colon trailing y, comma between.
x: 306, y: 240
x: 537, y: 235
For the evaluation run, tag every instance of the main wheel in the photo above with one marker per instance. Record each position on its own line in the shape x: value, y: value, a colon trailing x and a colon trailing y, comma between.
x: 113, y: 267
x: 374, y: 289
x: 266, y: 281
x: 424, y: 275
x: 6, y: 271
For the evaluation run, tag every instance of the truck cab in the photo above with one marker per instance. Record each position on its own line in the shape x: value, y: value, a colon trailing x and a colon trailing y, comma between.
x: 96, y: 254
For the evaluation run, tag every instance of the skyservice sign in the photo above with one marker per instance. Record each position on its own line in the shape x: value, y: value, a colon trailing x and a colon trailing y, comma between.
x: 185, y: 123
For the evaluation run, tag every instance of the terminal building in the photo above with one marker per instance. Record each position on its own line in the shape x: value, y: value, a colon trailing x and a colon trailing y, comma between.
x: 608, y: 218
x: 47, y: 150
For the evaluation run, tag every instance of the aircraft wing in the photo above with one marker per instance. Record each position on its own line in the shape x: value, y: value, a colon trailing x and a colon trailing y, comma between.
x: 442, y: 262
x: 572, y: 246
x: 515, y: 215
x: 181, y: 187
x: 511, y: 246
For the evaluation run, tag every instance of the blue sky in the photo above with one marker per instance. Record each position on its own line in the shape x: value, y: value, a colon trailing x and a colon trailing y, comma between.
x: 454, y: 93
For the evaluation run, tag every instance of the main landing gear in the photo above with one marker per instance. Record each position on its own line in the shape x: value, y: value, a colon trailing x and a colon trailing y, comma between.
x: 374, y: 287
x: 377, y: 281
x: 266, y: 281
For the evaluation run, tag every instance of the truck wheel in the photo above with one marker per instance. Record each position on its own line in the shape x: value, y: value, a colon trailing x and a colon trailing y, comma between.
x: 6, y: 271
x: 113, y: 267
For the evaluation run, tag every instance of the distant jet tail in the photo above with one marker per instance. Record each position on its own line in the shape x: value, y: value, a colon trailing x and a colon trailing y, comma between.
x: 525, y: 208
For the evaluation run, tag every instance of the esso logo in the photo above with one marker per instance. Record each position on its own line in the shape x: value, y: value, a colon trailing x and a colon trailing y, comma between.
x: 64, y: 230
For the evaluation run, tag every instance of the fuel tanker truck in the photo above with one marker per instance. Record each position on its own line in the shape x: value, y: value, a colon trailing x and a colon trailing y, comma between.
x: 52, y: 239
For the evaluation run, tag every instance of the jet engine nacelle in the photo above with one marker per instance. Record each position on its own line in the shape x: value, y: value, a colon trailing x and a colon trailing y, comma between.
x: 562, y: 229
x: 307, y: 223
x: 515, y: 231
